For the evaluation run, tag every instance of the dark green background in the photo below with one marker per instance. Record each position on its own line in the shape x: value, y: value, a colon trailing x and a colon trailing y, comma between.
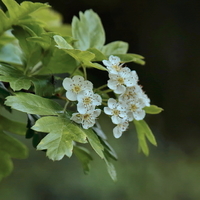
x: 167, y: 34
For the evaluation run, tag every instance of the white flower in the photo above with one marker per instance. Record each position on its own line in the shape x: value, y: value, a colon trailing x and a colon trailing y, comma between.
x: 75, y: 85
x: 130, y: 93
x: 116, y: 109
x: 135, y: 111
x: 125, y: 77
x: 87, y: 100
x: 113, y: 64
x: 88, y: 119
x: 120, y: 128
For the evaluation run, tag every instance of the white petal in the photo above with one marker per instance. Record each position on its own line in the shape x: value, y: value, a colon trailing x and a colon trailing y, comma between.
x: 78, y: 79
x: 76, y: 117
x: 67, y: 83
x: 107, y: 63
x: 97, y: 100
x: 114, y: 60
x: 108, y: 111
x: 88, y: 85
x: 81, y: 108
x: 112, y: 84
x: 71, y: 95
x: 112, y: 103
x: 97, y: 112
x: 139, y: 114
x: 115, y: 119
x: 120, y: 89
x: 117, y: 132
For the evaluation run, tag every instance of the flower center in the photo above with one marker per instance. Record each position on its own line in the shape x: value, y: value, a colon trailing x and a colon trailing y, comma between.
x: 76, y: 89
x: 116, y: 112
x: 87, y: 100
x: 133, y: 107
x: 116, y: 67
x: 86, y: 116
x: 120, y: 80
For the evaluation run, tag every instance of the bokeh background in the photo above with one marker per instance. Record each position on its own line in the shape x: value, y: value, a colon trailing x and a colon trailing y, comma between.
x: 167, y: 34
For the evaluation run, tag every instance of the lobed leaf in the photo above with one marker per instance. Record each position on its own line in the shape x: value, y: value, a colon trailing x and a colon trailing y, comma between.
x: 17, y: 12
x: 88, y: 31
x: 33, y: 104
x: 62, y: 134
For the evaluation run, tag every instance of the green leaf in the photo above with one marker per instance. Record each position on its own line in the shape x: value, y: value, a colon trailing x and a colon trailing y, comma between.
x: 66, y: 63
x: 62, y: 133
x: 117, y: 47
x: 15, y: 77
x: 88, y: 31
x: 144, y: 132
x: 99, y: 56
x: 153, y: 109
x: 17, y: 12
x: 131, y: 58
x: 95, y: 142
x: 32, y: 52
x: 42, y: 84
x: 33, y: 104
x: 11, y: 53
x: 108, y: 150
x: 83, y: 57
x: 61, y: 42
x: 111, y: 169
x: 52, y: 20
x: 12, y: 126
x: 10, y: 148
x: 84, y: 157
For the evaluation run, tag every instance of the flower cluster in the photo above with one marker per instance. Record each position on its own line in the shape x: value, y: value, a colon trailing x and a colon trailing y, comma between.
x: 81, y: 90
x: 127, y: 107
x: 131, y: 98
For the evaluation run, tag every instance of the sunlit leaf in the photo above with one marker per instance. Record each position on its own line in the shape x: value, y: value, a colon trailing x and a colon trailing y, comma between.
x: 131, y: 58
x: 61, y: 42
x: 88, y: 31
x: 117, y: 47
x: 62, y: 133
x: 17, y: 12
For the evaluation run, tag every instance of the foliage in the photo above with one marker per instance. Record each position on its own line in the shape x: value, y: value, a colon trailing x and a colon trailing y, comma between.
x: 36, y: 53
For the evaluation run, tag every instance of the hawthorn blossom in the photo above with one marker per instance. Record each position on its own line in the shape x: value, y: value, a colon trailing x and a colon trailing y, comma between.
x: 124, y: 78
x: 87, y: 100
x: 88, y: 119
x: 117, y: 110
x: 113, y: 64
x: 130, y: 93
x: 135, y: 111
x: 75, y: 85
x: 120, y: 128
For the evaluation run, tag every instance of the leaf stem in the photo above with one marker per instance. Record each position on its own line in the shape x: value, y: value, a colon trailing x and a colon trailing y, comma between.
x: 101, y: 87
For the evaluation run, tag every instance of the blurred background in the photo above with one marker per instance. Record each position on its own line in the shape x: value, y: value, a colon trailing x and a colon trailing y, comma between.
x: 167, y: 34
